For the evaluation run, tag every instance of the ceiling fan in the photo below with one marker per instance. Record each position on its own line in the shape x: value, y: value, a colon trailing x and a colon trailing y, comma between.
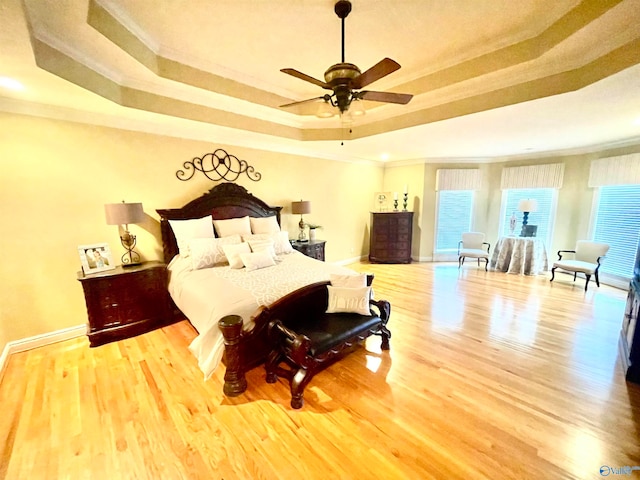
x: 345, y: 78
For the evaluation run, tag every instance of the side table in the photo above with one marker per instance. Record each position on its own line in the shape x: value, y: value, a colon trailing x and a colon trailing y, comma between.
x: 126, y: 302
x: 312, y: 248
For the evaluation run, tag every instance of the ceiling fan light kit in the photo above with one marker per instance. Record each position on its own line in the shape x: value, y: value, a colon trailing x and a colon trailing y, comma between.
x: 344, y: 79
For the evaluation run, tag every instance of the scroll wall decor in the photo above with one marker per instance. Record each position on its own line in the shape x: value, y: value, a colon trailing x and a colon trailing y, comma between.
x: 216, y: 166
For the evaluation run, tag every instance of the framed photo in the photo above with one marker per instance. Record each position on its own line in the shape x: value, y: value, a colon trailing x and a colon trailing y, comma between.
x: 95, y: 257
x: 382, y: 202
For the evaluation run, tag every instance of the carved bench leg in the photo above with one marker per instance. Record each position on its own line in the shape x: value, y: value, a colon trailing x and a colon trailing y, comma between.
x: 273, y: 360
x: 234, y: 380
x: 386, y: 335
x: 298, y: 383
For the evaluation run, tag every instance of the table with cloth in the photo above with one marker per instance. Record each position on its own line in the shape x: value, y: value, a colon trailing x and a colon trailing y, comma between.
x: 520, y: 255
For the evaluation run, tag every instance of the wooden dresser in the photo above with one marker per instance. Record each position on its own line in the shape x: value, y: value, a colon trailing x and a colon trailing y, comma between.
x: 629, y: 344
x: 390, y: 240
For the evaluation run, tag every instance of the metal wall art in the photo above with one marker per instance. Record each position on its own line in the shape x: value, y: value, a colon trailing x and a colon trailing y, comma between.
x: 216, y: 166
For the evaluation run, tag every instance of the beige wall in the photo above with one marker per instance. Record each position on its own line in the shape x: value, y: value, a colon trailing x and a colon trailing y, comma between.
x: 57, y: 176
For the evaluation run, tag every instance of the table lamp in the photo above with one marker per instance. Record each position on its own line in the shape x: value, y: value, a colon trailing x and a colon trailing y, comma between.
x: 124, y: 214
x: 527, y: 206
x: 300, y: 208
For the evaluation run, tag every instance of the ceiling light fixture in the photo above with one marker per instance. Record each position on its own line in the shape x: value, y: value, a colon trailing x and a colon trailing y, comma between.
x: 325, y: 110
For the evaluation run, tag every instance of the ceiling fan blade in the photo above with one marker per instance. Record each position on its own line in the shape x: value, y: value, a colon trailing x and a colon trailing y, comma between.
x: 301, y: 102
x: 388, y: 97
x: 305, y: 77
x: 381, y: 69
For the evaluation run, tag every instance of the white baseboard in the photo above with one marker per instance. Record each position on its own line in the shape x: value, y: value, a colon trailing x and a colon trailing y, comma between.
x: 29, y: 343
x: 347, y: 261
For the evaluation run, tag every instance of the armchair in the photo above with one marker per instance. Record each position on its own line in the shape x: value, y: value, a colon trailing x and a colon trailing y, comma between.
x: 473, y: 245
x: 587, y: 259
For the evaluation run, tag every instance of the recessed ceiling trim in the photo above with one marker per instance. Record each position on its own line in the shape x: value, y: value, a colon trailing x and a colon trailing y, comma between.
x: 524, y: 51
x: 108, y: 25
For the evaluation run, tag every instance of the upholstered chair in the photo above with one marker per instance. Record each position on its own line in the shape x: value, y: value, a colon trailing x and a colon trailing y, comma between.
x: 585, y: 259
x: 473, y: 245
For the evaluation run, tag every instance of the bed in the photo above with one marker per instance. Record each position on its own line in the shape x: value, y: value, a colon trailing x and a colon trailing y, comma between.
x: 236, y: 298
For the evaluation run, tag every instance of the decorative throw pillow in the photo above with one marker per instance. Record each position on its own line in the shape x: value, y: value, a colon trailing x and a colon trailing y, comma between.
x: 207, y: 252
x: 262, y: 246
x: 281, y: 243
x: 349, y: 281
x: 232, y: 226
x: 185, y: 230
x: 349, y: 300
x: 256, y: 260
x: 264, y: 224
x: 233, y: 252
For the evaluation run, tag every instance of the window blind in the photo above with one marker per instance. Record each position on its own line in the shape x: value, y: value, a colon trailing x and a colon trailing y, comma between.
x: 617, y: 223
x: 453, y: 217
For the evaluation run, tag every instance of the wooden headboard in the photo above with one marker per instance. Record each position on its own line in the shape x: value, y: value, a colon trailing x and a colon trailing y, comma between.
x: 226, y: 200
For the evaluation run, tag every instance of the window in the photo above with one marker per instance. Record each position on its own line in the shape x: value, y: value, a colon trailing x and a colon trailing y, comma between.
x: 543, y: 217
x: 453, y: 218
x: 617, y: 223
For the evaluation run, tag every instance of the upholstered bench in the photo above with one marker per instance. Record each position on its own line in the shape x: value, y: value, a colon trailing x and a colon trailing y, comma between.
x: 309, y: 339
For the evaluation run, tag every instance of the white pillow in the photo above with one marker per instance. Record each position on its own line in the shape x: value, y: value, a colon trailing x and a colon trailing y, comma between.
x: 349, y: 281
x: 256, y: 260
x: 281, y: 243
x: 232, y: 226
x: 349, y: 300
x: 185, y: 230
x: 233, y: 253
x: 262, y: 246
x: 264, y: 224
x: 207, y: 252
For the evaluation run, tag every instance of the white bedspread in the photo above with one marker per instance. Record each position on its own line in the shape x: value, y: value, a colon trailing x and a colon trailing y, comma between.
x: 207, y: 295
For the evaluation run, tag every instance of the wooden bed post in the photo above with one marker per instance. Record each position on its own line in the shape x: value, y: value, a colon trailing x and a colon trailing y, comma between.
x: 234, y: 380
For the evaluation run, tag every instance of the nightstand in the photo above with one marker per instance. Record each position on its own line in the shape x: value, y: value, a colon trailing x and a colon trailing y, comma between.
x: 312, y: 248
x: 126, y: 302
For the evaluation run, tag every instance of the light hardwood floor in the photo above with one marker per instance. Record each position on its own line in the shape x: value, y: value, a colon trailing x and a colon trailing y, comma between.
x: 489, y: 376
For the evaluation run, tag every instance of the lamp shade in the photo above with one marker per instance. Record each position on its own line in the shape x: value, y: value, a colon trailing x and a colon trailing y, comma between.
x: 301, y: 207
x: 528, y: 205
x: 325, y: 110
x: 123, y: 213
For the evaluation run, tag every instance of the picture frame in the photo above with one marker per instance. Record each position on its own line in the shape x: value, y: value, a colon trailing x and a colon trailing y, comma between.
x: 382, y: 202
x: 95, y: 257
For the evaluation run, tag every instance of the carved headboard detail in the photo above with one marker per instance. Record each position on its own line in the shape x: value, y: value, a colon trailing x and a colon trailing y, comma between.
x: 226, y: 200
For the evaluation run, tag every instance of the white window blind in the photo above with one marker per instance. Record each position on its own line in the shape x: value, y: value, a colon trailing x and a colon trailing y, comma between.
x: 543, y: 217
x: 617, y: 223
x: 455, y: 208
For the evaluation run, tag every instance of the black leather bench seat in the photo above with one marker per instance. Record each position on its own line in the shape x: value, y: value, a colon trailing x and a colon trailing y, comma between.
x: 329, y: 330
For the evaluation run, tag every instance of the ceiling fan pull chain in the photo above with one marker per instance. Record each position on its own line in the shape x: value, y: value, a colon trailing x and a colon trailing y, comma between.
x: 343, y: 40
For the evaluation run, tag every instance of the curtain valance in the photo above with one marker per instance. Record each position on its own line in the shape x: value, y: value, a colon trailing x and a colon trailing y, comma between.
x: 458, y: 179
x: 533, y: 176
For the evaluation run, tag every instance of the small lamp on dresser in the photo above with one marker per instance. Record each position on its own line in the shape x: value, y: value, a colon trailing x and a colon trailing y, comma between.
x: 124, y: 214
x: 301, y: 208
